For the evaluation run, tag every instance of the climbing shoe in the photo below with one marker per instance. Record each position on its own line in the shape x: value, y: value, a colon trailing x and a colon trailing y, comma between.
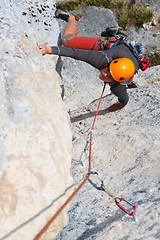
x: 113, y: 31
x: 62, y: 15
x: 122, y: 32
x: 109, y: 32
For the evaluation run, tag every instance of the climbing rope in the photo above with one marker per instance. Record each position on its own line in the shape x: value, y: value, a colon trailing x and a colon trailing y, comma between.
x: 44, y: 229
x: 117, y: 200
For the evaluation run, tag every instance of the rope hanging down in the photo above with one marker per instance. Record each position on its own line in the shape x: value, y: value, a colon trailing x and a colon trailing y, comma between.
x: 44, y: 229
x: 117, y: 200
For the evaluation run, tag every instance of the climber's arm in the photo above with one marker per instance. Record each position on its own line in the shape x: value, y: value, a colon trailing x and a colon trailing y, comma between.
x: 44, y: 49
x: 95, y: 58
x: 121, y: 92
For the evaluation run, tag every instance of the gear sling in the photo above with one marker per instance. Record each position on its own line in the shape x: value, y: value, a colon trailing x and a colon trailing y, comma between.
x: 98, y: 44
x: 136, y: 50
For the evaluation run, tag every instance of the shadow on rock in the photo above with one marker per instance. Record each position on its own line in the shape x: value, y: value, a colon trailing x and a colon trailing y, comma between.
x: 87, y: 115
x: 99, y: 227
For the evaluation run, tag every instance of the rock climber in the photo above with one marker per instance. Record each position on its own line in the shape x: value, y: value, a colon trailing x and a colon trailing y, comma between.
x: 117, y: 65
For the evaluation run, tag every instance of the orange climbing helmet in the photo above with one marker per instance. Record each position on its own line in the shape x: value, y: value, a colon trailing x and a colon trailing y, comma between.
x: 122, y: 69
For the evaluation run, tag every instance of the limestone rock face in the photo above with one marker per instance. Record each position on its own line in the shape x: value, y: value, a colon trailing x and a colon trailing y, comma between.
x: 125, y: 146
x: 35, y: 135
x: 154, y: 4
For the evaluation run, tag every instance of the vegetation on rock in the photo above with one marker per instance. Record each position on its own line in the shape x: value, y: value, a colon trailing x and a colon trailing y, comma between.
x: 127, y: 14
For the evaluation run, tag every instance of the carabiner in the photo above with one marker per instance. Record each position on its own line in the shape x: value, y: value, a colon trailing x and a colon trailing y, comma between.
x: 93, y: 184
x: 117, y: 200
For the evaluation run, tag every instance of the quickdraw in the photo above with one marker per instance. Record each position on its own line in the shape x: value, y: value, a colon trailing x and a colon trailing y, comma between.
x: 84, y: 152
x: 117, y: 199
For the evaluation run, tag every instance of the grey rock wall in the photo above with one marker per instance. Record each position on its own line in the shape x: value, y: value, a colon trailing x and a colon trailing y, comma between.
x: 125, y: 146
x: 35, y: 135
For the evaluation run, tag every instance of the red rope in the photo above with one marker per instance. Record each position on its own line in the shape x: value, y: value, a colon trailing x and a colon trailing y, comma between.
x: 43, y: 230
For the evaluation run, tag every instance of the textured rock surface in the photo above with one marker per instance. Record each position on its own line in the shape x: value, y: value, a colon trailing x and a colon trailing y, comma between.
x: 35, y: 149
x: 154, y: 4
x: 125, y: 149
x: 35, y: 135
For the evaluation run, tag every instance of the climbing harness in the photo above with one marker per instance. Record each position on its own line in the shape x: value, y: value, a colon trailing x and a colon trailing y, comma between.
x: 136, y: 50
x: 117, y: 200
